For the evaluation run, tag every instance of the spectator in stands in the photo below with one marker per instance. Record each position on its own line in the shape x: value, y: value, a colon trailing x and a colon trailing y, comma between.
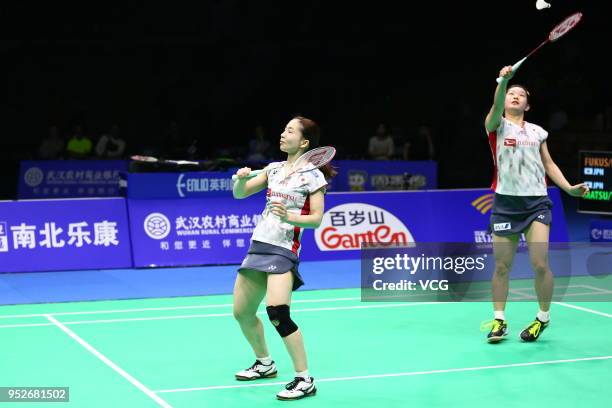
x: 381, y: 144
x: 51, y: 147
x: 79, y: 146
x: 258, y: 145
x: 111, y: 145
x: 421, y: 145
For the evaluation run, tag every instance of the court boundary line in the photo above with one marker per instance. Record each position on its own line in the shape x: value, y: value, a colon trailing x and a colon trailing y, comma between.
x: 388, y: 375
x: 146, y: 309
x: 596, y: 289
x: 584, y: 309
x: 151, y: 394
x: 196, y: 316
x: 316, y: 300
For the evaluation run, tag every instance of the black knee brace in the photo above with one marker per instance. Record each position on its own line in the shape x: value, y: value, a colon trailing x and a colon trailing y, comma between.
x: 281, y: 319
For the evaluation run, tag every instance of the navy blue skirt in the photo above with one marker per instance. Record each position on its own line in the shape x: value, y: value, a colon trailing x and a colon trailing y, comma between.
x: 512, y: 215
x: 268, y: 258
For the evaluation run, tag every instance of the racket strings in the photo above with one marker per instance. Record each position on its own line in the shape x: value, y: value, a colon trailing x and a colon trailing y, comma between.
x: 565, y: 26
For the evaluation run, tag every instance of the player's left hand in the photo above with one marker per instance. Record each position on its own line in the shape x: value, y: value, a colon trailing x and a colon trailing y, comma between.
x: 279, y: 210
x: 579, y: 190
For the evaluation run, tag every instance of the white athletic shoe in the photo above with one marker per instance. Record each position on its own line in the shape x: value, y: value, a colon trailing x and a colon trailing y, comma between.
x: 257, y: 371
x: 298, y: 388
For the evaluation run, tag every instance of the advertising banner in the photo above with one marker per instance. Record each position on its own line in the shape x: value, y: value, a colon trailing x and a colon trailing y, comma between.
x: 434, y: 216
x: 70, y: 178
x: 380, y: 175
x: 601, y: 230
x: 47, y: 235
x: 179, y: 185
x: 217, y: 230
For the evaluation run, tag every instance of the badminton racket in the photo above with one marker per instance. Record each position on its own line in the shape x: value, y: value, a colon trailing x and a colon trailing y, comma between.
x: 559, y: 31
x: 312, y: 159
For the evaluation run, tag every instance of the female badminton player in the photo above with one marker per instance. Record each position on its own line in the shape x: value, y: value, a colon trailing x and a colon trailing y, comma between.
x: 521, y: 204
x: 294, y: 201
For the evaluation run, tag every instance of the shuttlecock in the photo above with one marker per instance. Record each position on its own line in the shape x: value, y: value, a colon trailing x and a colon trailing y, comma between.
x: 541, y: 4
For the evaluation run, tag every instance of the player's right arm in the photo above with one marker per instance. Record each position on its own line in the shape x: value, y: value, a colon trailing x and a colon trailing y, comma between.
x: 494, y: 116
x: 244, y: 187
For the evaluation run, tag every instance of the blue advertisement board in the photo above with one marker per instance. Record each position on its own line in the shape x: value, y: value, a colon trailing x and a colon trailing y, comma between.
x: 351, y: 219
x: 170, y: 232
x: 217, y: 230
x: 179, y: 185
x: 601, y: 230
x: 45, y: 235
x: 379, y: 175
x: 70, y: 178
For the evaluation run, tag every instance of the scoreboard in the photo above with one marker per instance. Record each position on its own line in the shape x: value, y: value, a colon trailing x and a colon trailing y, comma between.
x: 596, y: 171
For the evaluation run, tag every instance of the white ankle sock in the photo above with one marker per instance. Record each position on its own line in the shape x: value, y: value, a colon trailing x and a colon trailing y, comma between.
x: 304, y: 374
x: 500, y: 314
x: 543, y: 316
x: 265, y: 360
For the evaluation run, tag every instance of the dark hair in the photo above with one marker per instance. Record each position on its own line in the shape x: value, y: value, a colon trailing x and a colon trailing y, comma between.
x: 385, y: 125
x: 312, y: 133
x: 523, y: 87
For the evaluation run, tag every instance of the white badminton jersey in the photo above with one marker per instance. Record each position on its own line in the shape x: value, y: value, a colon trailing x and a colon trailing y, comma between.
x: 294, y: 192
x: 518, y: 167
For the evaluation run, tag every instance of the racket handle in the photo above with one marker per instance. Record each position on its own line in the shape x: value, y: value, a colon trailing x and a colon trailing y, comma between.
x: 514, y: 68
x: 250, y: 175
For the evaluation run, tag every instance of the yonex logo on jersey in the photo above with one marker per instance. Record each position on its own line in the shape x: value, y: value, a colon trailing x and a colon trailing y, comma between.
x: 541, y: 217
x: 272, y: 267
x: 502, y: 226
x: 510, y: 142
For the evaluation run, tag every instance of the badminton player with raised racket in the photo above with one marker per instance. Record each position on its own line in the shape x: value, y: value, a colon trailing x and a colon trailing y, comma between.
x: 294, y: 201
x: 521, y: 204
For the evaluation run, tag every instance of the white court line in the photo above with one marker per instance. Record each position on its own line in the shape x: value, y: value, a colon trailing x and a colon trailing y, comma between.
x: 196, y: 316
x: 9, y: 326
x: 109, y: 363
x: 220, y: 305
x: 136, y: 319
x: 596, y: 289
x: 524, y: 295
x: 406, y: 374
x: 229, y: 304
x: 584, y: 309
x: 558, y: 287
x: 147, y: 309
x: 321, y: 300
